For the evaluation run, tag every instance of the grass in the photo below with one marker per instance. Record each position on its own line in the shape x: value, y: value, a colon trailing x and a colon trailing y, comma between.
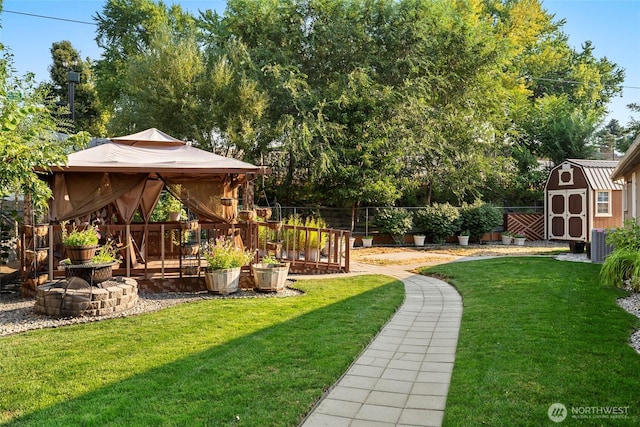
x: 259, y: 362
x: 536, y: 331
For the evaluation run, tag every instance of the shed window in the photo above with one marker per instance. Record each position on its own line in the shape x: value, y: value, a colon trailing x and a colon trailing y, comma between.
x: 603, y: 203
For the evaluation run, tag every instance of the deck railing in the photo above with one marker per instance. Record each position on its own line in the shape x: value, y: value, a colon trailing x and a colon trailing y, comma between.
x: 157, y: 250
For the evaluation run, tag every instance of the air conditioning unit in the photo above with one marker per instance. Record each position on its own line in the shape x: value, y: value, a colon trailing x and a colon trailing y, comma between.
x: 599, y: 247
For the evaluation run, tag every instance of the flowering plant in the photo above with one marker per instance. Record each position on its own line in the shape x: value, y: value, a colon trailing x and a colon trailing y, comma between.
x: 222, y: 253
x: 87, y: 237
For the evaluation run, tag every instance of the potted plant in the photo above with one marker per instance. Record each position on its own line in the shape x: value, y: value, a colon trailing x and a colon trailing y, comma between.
x: 418, y: 239
x: 314, y: 239
x: 174, y: 208
x: 506, y: 238
x: 463, y: 238
x: 519, y: 239
x: 438, y: 221
x: 395, y: 222
x: 367, y: 241
x: 80, y: 245
x: 270, y: 274
x: 247, y: 215
x: 224, y: 263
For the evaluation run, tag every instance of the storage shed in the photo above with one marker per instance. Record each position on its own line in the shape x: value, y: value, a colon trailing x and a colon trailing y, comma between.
x: 580, y: 196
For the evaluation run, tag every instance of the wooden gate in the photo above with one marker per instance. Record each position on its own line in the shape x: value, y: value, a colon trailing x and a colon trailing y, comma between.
x: 567, y: 214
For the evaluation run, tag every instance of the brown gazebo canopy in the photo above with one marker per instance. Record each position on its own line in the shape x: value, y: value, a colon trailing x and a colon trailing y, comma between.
x: 130, y: 172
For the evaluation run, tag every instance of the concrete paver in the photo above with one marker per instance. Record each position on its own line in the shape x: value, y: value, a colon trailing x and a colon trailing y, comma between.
x: 402, y: 377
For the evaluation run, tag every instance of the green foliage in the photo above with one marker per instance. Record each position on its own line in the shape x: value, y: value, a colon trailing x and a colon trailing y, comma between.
x: 438, y: 221
x: 620, y: 266
x: 315, y: 239
x: 223, y: 253
x: 107, y: 253
x: 394, y: 221
x: 479, y: 218
x: 625, y: 237
x: 270, y: 260
x: 88, y: 236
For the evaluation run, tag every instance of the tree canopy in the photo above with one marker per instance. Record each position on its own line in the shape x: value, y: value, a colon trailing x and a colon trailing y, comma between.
x: 362, y: 101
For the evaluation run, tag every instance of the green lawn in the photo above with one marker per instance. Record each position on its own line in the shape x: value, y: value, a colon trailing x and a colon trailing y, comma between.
x: 536, y: 331
x: 253, y: 362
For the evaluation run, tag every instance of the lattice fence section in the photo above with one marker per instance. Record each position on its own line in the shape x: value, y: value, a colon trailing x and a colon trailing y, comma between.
x: 529, y: 224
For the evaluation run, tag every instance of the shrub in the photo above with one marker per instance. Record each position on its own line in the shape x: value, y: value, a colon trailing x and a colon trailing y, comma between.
x: 479, y: 218
x: 620, y: 266
x: 395, y: 222
x: 438, y: 221
x: 222, y: 253
x: 627, y: 236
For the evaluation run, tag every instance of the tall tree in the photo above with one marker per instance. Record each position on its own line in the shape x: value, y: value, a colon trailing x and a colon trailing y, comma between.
x: 88, y: 113
x: 28, y: 133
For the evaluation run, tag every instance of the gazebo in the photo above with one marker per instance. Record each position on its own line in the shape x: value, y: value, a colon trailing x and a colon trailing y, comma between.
x: 107, y: 184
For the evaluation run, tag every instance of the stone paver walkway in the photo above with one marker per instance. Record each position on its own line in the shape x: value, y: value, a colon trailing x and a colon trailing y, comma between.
x: 402, y: 378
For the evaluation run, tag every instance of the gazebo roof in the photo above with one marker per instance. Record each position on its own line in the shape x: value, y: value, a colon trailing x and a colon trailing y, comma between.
x: 154, y: 151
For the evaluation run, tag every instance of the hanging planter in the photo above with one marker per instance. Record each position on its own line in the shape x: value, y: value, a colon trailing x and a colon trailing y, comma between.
x: 226, y: 201
x: 247, y: 215
x: 264, y: 212
x: 189, y: 225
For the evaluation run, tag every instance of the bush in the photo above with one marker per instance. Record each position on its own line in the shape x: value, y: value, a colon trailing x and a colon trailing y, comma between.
x: 438, y: 221
x: 620, y: 266
x: 479, y: 218
x: 395, y: 222
x: 625, y: 237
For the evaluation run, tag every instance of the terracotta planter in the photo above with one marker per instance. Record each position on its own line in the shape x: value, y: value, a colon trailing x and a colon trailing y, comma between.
x: 270, y: 278
x: 224, y: 281
x: 81, y: 254
x: 274, y: 225
x: 174, y: 216
x: 247, y: 215
x: 264, y: 212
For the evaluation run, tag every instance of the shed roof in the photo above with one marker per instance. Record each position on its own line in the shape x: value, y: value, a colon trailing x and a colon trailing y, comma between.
x: 598, y: 173
x: 628, y: 162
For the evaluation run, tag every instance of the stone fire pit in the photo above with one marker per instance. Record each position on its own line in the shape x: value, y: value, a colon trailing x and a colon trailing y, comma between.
x: 74, y: 296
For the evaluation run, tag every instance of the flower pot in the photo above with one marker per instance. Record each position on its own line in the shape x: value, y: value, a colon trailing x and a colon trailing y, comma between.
x: 506, y: 240
x: 352, y: 241
x: 190, y: 249
x: 224, y: 281
x: 269, y: 278
x: 247, y: 215
x: 274, y: 225
x: 189, y: 225
x: 264, y: 212
x: 367, y: 242
x: 519, y: 241
x: 81, y: 254
x: 463, y: 240
x: 313, y: 255
x: 418, y: 240
x: 174, y: 216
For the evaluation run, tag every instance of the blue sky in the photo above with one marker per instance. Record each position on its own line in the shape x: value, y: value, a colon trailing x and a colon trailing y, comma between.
x: 612, y: 25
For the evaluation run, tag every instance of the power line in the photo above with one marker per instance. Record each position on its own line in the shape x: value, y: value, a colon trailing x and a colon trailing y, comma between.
x: 50, y: 17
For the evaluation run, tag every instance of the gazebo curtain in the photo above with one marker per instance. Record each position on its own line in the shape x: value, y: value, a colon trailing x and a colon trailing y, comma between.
x: 204, y: 196
x: 79, y: 194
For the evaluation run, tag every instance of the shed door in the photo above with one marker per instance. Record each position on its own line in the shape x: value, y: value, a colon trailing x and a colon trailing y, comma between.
x: 567, y: 214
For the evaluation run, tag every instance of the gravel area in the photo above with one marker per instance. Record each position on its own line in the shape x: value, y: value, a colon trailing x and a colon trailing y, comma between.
x: 17, y: 315
x: 632, y: 305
